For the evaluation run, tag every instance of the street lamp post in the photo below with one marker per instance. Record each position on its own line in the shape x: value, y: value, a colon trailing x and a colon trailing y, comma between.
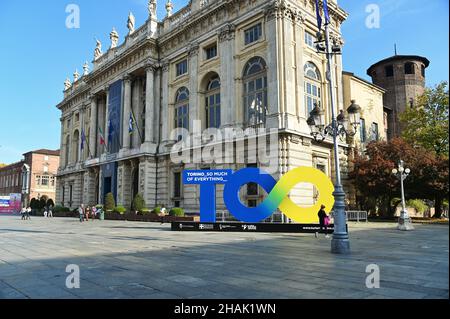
x: 404, y: 221
x: 342, y: 125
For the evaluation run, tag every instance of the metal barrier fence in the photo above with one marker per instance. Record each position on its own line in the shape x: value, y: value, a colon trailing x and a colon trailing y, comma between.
x: 357, y: 215
x: 352, y: 215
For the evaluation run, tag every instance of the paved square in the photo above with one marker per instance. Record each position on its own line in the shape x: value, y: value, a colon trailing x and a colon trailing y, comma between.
x: 146, y: 260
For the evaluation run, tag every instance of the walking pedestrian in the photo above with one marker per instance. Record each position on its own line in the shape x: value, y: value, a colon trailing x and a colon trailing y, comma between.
x: 50, y: 211
x: 28, y: 213
x: 23, y: 212
x: 45, y: 212
x: 323, y: 221
x: 81, y: 212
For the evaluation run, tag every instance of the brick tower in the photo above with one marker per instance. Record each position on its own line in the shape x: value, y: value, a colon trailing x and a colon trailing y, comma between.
x: 403, y: 78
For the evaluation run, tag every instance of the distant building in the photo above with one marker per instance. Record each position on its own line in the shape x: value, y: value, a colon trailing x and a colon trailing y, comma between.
x: 403, y: 78
x: 370, y: 98
x: 33, y: 177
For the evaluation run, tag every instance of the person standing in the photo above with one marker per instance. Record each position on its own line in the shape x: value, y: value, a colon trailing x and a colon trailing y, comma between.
x: 28, y: 213
x: 87, y: 213
x: 81, y: 212
x: 323, y: 221
x: 45, y: 212
x: 94, y: 212
x: 23, y: 212
x: 162, y: 214
x: 50, y: 211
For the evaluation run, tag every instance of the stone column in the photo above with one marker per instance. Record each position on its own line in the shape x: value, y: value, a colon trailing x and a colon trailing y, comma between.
x: 194, y: 113
x: 70, y: 139
x: 227, y: 75
x: 150, y: 109
x: 80, y: 129
x: 273, y: 77
x: 126, y: 112
x: 165, y: 103
x: 62, y: 159
x: 93, y: 127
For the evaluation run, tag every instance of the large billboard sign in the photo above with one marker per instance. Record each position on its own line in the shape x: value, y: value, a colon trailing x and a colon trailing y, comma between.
x: 278, y: 193
x: 10, y: 203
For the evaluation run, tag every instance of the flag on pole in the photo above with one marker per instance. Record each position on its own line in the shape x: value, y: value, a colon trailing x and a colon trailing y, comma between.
x: 102, y: 137
x: 130, y: 124
x: 325, y: 11
x: 83, y: 139
x: 319, y: 17
x: 110, y: 132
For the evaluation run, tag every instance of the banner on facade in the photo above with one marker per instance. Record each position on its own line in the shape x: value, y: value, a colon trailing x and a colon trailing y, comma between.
x: 10, y: 203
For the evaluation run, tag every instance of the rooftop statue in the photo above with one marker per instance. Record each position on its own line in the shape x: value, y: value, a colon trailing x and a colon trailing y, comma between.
x: 67, y: 84
x: 152, y: 8
x: 131, y: 23
x: 114, y: 36
x: 98, y: 50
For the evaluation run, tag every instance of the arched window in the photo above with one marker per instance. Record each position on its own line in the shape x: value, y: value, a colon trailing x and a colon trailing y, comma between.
x: 255, y: 92
x: 182, y: 108
x: 67, y: 146
x: 212, y: 102
x: 409, y: 68
x: 75, y: 146
x: 313, y: 93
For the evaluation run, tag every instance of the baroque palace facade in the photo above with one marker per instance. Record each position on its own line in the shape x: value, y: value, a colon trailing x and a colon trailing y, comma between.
x: 228, y: 63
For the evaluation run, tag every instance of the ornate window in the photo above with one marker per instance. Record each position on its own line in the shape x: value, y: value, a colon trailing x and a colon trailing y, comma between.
x: 182, y: 68
x: 211, y: 51
x: 313, y: 93
x: 253, y: 34
x: 182, y: 108
x: 310, y: 39
x: 255, y: 92
x: 212, y: 102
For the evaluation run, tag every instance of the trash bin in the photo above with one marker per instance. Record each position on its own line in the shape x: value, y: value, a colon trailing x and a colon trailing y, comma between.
x: 102, y: 215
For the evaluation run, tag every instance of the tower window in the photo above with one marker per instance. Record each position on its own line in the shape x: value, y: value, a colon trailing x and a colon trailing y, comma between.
x: 389, y: 70
x: 409, y: 68
x: 423, y: 70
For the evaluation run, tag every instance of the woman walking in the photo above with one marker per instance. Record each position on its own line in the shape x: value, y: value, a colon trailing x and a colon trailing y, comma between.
x: 323, y: 221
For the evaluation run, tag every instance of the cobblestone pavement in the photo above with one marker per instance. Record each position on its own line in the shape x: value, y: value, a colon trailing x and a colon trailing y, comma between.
x: 146, y: 260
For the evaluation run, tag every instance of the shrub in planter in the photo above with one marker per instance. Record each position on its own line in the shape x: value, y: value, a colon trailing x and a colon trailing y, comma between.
x: 156, y: 210
x: 138, y: 203
x: 109, y: 202
x: 418, y: 205
x: 145, y: 211
x: 177, y: 211
x: 61, y: 209
x: 120, y: 209
x: 34, y: 203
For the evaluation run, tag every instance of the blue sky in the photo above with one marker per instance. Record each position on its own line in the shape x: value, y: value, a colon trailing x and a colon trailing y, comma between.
x: 38, y: 52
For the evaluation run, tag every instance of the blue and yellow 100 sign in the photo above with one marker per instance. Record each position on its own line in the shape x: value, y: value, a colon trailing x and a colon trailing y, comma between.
x: 277, y: 193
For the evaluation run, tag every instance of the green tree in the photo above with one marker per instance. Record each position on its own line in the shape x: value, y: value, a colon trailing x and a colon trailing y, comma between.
x: 376, y: 184
x: 43, y: 201
x: 50, y: 202
x: 138, y: 203
x: 426, y: 124
x: 110, y: 204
